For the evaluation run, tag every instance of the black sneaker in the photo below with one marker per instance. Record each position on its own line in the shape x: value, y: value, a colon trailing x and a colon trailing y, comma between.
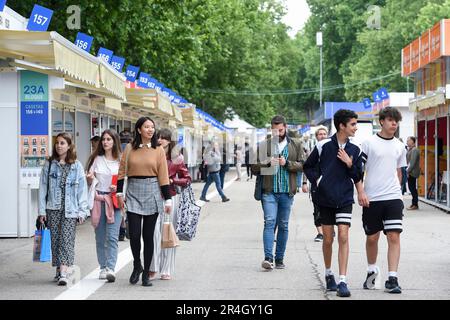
x: 225, y: 199
x: 342, y: 290
x: 392, y: 286
x: 204, y: 199
x: 331, y: 283
x: 267, y: 263
x: 279, y: 264
x: 318, y: 238
x: 370, y: 279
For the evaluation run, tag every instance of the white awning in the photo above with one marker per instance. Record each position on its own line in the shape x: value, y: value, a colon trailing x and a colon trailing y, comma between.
x: 50, y: 53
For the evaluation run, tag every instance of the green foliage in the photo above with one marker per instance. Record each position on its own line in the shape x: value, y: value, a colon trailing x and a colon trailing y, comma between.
x: 194, y: 45
x: 380, y: 53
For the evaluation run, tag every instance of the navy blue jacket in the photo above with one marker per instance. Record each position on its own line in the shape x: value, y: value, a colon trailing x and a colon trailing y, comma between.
x: 335, y: 188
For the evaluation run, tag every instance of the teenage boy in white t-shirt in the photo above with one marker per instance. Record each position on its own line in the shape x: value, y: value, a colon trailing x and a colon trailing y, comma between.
x: 383, y: 157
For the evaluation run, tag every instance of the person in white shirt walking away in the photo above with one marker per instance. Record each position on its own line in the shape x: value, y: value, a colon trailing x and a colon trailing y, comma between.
x: 106, y: 219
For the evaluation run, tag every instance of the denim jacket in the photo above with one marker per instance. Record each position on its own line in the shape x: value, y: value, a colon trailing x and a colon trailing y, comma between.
x: 76, y: 204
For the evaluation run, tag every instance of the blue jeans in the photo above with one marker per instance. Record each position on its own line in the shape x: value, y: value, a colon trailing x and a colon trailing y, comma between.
x: 216, y: 178
x: 107, y: 237
x: 277, y: 209
x: 224, y: 168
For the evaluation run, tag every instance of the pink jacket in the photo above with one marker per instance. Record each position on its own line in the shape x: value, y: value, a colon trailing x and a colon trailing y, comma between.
x: 97, y: 209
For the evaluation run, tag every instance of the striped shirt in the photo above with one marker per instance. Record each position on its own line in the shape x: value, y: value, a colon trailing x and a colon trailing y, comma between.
x: 281, y: 181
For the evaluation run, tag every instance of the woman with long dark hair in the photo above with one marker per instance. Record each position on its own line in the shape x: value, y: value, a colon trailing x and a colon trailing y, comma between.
x: 102, y: 165
x: 63, y: 202
x: 145, y: 165
x: 164, y: 259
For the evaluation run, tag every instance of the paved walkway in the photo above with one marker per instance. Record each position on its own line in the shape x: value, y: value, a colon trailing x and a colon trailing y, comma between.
x: 223, y: 261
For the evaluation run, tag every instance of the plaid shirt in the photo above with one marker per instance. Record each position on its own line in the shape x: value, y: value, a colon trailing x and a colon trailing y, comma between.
x: 281, y: 178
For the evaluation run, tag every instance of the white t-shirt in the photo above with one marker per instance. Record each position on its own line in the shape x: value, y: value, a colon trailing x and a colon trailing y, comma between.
x: 384, y: 157
x: 104, y: 170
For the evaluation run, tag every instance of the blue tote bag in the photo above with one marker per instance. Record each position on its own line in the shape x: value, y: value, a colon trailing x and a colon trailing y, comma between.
x: 46, y: 249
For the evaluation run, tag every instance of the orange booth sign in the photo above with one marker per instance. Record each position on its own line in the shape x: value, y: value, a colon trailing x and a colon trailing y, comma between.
x: 406, y: 60
x: 432, y: 45
x: 435, y: 42
x: 425, y: 48
x: 415, y: 55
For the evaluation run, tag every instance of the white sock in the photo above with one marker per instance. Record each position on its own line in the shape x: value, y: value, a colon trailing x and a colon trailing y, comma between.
x: 328, y: 272
x: 392, y: 273
x: 342, y: 278
x: 372, y: 268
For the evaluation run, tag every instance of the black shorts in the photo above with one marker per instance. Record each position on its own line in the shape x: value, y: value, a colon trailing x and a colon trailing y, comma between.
x: 383, y: 215
x: 336, y: 216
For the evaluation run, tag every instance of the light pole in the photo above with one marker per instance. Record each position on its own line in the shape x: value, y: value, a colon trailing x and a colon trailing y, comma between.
x: 319, y: 43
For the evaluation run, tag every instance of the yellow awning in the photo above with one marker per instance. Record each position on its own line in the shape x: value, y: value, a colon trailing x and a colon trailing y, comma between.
x: 164, y: 104
x: 177, y: 113
x: 50, y: 53
x: 143, y: 98
x: 112, y: 81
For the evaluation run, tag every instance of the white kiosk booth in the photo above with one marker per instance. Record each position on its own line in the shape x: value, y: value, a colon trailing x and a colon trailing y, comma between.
x: 32, y: 66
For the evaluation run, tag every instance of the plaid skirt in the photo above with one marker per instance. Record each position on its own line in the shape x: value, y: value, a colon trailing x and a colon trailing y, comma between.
x: 144, y: 196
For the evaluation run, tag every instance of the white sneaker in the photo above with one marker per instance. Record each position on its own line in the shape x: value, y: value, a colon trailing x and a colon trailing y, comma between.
x: 373, y: 279
x: 102, y: 275
x: 63, y: 279
x: 110, y: 275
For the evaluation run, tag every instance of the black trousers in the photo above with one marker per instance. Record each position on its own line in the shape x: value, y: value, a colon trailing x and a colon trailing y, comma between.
x: 249, y: 170
x: 413, y: 188
x: 146, y: 225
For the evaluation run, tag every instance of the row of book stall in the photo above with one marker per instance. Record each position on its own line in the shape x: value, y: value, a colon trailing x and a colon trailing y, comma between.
x: 49, y: 85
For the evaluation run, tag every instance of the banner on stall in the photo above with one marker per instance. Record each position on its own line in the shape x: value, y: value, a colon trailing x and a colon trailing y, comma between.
x: 34, y: 143
x: 39, y: 19
x: 117, y: 63
x: 84, y: 41
x: 2, y: 5
x: 132, y: 72
x: 105, y: 54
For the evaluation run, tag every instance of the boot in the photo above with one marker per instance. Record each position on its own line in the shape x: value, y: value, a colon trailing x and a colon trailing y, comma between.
x: 146, y: 280
x: 134, y: 278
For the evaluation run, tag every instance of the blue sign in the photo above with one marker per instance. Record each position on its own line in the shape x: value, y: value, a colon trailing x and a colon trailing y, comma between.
x: 144, y: 80
x: 177, y: 100
x: 40, y: 18
x: 181, y: 137
x: 34, y: 118
x: 132, y: 72
x: 152, y: 83
x: 158, y: 86
x: 33, y: 103
x: 2, y: 5
x: 367, y: 103
x: 105, y: 54
x: 376, y: 96
x: 84, y: 41
x: 117, y: 63
x: 383, y: 93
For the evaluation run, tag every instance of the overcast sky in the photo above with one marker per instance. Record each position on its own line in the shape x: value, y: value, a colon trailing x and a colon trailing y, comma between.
x: 297, y: 15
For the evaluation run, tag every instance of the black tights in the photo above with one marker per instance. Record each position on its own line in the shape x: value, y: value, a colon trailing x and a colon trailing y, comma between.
x: 135, y: 227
